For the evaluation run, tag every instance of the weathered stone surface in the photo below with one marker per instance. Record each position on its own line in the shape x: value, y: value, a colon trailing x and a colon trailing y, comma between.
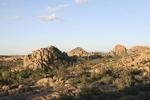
x: 5, y: 87
x: 44, y: 58
x: 119, y: 49
x: 137, y: 56
x: 46, y: 82
x: 78, y: 52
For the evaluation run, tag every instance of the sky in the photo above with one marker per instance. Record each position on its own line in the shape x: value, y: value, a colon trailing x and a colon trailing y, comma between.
x: 95, y: 25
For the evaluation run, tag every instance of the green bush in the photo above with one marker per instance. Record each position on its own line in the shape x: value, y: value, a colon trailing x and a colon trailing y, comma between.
x: 123, y: 82
x: 25, y: 74
x: 6, y: 74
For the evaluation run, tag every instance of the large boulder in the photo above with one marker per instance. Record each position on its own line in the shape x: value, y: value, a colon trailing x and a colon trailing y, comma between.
x: 119, y: 49
x: 44, y: 58
x: 5, y: 87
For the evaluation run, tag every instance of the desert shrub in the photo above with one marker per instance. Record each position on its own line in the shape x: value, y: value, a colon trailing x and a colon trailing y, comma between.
x: 106, y: 80
x: 25, y: 74
x: 135, y: 72
x: 2, y: 69
x: 3, y: 81
x: 123, y: 82
x: 92, y: 62
x: 75, y: 81
x: 6, y: 74
x: 61, y: 72
x: 36, y: 75
x: 95, y: 76
x: 13, y: 75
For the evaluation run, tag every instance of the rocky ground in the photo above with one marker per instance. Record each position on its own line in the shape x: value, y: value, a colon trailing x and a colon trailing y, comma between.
x: 49, y: 74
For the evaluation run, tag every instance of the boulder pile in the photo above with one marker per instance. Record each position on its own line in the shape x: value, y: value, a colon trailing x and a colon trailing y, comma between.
x: 44, y: 58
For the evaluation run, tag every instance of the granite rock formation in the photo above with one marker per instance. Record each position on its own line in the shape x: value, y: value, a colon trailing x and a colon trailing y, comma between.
x: 44, y: 58
x: 78, y: 52
x: 119, y: 50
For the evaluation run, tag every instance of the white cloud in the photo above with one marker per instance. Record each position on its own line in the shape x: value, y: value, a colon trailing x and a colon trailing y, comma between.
x: 51, y: 14
x: 81, y: 1
x: 51, y: 17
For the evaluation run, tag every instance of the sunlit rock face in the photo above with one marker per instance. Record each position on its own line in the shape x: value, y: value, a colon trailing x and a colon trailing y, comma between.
x: 119, y: 50
x: 140, y: 55
x: 78, y: 52
x: 44, y: 58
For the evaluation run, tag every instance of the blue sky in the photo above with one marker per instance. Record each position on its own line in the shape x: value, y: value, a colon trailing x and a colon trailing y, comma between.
x: 96, y: 25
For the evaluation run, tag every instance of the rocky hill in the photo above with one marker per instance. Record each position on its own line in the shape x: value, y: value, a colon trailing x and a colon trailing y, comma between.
x: 137, y: 56
x: 45, y: 58
x: 78, y: 52
x: 122, y: 74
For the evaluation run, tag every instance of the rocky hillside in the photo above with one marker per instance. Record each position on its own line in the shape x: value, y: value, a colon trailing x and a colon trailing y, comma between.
x: 10, y: 61
x: 137, y: 56
x: 122, y: 74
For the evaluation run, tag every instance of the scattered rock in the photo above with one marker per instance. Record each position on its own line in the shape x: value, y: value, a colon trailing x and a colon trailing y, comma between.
x: 101, y: 74
x: 20, y: 87
x: 5, y: 87
x: 46, y: 82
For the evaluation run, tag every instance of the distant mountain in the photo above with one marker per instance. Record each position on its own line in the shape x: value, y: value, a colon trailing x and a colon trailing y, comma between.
x: 78, y: 52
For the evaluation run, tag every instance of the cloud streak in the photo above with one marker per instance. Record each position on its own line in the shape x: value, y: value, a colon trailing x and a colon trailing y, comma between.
x: 51, y: 12
x: 57, y: 8
x: 79, y: 2
x: 51, y: 17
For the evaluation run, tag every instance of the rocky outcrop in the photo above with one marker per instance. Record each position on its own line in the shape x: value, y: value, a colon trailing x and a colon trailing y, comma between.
x: 119, y: 50
x: 138, y: 50
x: 10, y: 61
x: 137, y: 56
x: 44, y: 58
x: 78, y: 52
x: 10, y: 58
